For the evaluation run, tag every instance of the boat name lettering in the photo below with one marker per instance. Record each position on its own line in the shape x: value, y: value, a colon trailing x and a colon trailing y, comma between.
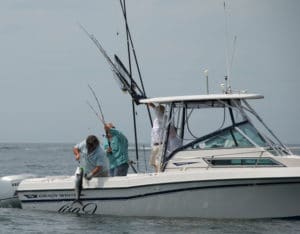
x: 66, y: 195
x: 77, y: 208
x: 30, y: 196
x: 48, y: 195
x: 55, y: 195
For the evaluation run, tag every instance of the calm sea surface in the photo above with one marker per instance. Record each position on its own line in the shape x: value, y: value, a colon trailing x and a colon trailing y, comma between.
x: 57, y: 159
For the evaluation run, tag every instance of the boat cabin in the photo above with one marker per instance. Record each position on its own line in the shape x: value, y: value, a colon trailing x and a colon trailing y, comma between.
x: 216, y: 130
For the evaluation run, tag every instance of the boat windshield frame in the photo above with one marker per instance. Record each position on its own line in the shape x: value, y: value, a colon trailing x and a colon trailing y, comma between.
x: 239, y: 105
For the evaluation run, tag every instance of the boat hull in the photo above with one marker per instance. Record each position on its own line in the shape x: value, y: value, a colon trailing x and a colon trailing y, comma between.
x: 212, y: 198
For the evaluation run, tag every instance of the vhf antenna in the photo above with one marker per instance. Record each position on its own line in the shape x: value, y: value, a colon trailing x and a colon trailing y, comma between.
x: 227, y: 76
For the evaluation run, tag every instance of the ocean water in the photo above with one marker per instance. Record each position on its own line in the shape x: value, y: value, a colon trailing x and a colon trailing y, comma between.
x: 58, y: 159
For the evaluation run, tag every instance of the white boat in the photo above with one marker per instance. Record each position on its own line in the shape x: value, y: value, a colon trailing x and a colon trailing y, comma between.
x: 238, y: 171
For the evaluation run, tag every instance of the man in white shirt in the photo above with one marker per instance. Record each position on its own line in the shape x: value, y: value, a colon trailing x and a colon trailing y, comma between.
x: 157, y: 136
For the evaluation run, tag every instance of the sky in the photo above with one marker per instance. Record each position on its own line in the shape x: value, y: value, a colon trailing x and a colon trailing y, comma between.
x: 47, y: 61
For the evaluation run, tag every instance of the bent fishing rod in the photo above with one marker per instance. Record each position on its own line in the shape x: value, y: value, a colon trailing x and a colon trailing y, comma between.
x: 100, y: 110
x: 95, y: 112
x: 99, y: 106
x: 103, y: 121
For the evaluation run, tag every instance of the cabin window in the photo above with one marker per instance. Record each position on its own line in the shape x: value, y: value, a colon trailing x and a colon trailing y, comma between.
x: 243, y: 162
x: 226, y: 139
x: 240, y: 135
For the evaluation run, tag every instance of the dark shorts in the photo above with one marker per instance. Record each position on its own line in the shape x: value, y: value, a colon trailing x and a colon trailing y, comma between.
x: 119, y: 170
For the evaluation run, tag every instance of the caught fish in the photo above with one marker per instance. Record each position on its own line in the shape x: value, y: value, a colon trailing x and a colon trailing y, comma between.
x: 78, y: 183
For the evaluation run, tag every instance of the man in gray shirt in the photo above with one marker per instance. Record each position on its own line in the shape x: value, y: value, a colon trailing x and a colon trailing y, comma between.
x: 93, y: 156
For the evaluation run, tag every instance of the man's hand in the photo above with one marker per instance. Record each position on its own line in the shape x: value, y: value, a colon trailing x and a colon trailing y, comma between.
x: 151, y: 105
x: 89, y: 176
x: 106, y: 127
x: 108, y: 150
x: 76, y: 153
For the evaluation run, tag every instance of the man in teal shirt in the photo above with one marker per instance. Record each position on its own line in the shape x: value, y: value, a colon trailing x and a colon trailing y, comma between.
x: 116, y: 147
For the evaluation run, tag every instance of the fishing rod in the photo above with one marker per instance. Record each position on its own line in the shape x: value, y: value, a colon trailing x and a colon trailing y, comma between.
x: 98, y: 103
x: 98, y: 116
x: 101, y: 112
x: 99, y: 46
x: 120, y: 75
x: 103, y: 121
x: 124, y: 84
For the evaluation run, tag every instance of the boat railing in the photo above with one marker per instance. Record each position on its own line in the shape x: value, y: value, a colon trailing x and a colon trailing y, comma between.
x: 282, y: 148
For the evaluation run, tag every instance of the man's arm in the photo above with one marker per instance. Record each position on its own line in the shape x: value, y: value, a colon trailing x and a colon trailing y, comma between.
x: 151, y: 105
x: 76, y: 153
x: 96, y: 170
x: 106, y: 147
x: 93, y: 172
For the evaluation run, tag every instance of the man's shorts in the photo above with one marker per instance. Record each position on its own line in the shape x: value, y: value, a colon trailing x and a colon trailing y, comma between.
x: 155, y: 157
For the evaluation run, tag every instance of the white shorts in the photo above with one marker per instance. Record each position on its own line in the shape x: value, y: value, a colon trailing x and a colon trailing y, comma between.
x: 155, y: 157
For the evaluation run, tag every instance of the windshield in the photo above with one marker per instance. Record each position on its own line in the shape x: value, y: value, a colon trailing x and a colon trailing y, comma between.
x: 240, y: 135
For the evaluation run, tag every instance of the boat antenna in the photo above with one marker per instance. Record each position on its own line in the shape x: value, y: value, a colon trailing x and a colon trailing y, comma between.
x: 227, y: 76
x: 233, y: 52
x: 206, y: 76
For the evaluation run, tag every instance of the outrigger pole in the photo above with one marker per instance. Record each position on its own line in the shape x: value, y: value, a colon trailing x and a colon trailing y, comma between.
x: 122, y: 75
x: 123, y: 6
x: 128, y: 34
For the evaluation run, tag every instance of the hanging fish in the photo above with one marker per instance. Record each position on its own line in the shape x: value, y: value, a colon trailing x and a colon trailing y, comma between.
x: 78, y: 184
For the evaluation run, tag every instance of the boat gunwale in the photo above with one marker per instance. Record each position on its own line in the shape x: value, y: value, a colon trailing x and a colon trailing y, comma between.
x: 174, y: 183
